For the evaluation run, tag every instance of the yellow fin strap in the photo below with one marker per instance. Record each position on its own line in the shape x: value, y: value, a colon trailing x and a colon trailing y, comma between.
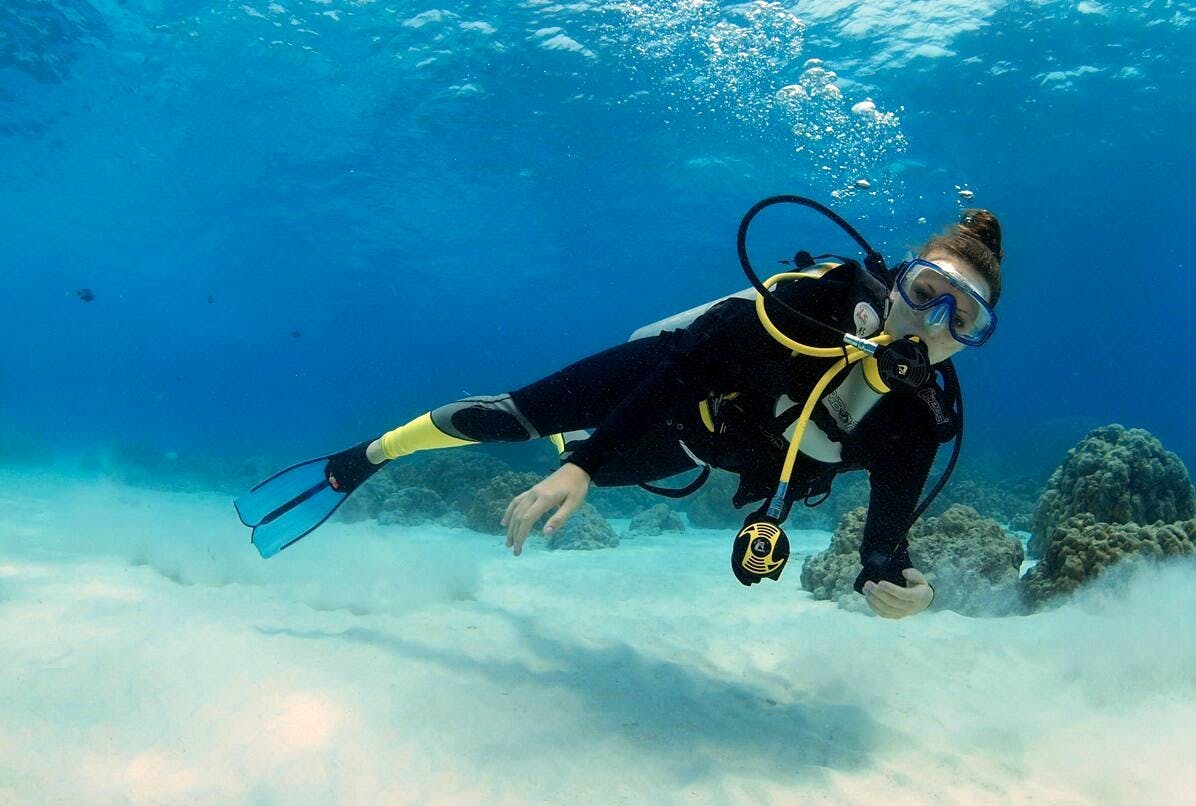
x: 421, y: 434
x: 558, y: 441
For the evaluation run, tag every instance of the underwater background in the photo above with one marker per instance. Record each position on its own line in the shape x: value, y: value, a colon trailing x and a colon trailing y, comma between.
x: 235, y: 235
x: 306, y: 222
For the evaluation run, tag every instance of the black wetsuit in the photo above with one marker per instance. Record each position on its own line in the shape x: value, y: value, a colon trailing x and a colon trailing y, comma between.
x: 642, y: 398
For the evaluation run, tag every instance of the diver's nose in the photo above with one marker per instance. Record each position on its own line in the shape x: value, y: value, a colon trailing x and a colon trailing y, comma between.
x: 937, y: 317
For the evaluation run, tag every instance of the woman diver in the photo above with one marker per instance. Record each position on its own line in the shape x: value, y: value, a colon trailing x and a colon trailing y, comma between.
x: 724, y: 386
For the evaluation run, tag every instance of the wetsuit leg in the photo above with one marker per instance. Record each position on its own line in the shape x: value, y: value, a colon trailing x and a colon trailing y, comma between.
x: 575, y: 398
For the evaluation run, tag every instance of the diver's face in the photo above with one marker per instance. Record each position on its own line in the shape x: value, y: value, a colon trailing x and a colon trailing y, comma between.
x: 904, y: 321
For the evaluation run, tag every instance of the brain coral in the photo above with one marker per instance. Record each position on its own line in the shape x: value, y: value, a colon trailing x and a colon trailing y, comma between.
x: 585, y: 530
x: 491, y: 499
x: 654, y: 521
x: 411, y: 506
x: 1118, y: 475
x: 830, y: 573
x: 1081, y: 549
x: 970, y: 560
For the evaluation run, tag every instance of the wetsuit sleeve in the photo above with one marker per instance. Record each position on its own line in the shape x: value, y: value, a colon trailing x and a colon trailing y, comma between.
x: 897, y: 476
x: 632, y: 416
x: 695, y: 359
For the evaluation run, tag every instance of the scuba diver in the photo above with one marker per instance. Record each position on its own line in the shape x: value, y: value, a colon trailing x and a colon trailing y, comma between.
x: 830, y: 367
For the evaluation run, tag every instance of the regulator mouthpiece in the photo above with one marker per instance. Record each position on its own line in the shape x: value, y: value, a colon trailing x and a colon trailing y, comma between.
x: 904, y: 365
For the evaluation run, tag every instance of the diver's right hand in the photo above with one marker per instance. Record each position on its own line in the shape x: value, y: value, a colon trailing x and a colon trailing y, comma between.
x: 565, y: 489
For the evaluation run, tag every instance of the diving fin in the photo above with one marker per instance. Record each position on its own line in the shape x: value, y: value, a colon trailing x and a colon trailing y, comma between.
x: 293, y: 502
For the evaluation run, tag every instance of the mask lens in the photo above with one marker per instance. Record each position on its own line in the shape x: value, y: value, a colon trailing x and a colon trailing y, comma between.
x: 926, y: 287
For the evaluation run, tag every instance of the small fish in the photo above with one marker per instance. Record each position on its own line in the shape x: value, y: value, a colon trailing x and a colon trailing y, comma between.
x: 85, y: 294
x: 295, y: 334
x: 211, y: 298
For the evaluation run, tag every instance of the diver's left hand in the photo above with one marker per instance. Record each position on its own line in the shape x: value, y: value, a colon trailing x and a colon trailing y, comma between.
x: 565, y: 490
x: 893, y: 601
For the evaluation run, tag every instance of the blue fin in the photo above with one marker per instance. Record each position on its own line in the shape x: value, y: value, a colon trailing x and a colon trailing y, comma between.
x: 289, y: 505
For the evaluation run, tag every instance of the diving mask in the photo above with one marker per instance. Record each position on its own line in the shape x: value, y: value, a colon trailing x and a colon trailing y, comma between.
x: 926, y: 286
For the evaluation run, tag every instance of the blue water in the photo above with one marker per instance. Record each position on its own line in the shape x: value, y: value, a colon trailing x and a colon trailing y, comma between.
x: 303, y: 222
x: 389, y: 206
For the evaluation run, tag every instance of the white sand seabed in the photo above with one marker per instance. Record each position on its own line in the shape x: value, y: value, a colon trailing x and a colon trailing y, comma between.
x: 149, y: 655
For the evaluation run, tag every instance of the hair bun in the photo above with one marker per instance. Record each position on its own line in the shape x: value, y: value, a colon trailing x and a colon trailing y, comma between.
x: 985, y: 228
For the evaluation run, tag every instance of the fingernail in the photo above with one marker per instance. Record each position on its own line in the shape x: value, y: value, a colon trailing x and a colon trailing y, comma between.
x: 548, y: 530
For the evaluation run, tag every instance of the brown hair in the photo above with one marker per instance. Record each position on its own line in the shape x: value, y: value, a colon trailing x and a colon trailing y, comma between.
x: 976, y: 240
